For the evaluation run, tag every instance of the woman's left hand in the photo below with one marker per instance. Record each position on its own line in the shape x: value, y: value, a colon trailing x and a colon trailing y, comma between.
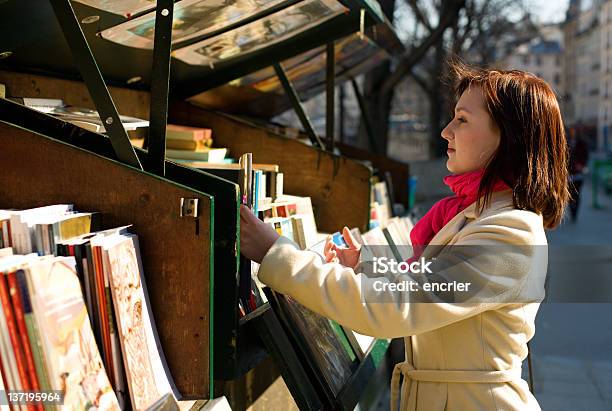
x: 256, y: 237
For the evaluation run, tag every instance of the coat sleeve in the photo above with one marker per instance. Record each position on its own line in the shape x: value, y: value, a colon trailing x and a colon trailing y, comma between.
x: 365, y: 304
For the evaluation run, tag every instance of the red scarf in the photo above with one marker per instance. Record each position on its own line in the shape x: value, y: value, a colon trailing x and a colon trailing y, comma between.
x: 465, y: 186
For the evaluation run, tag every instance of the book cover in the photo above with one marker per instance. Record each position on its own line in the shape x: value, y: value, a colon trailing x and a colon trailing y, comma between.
x: 319, y: 342
x: 73, y: 360
x: 72, y: 226
x: 147, y: 374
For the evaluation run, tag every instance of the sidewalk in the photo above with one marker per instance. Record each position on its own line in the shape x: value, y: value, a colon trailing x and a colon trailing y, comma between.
x: 572, y: 348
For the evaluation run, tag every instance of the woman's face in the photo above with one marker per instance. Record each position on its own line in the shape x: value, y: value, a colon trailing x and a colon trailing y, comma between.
x: 472, y: 134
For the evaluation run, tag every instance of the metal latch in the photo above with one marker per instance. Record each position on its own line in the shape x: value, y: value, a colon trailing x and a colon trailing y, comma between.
x: 189, y: 207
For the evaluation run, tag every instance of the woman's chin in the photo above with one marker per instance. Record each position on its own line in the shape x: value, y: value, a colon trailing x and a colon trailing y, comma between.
x: 450, y: 166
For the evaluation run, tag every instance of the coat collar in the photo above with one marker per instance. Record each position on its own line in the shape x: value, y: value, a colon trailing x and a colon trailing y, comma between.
x: 499, y: 200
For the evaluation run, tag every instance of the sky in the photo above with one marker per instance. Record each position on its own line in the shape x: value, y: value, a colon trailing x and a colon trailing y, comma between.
x: 548, y: 11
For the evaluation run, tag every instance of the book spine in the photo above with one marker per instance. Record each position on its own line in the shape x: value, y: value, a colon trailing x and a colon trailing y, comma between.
x: 38, y: 237
x: 9, y: 365
x: 14, y: 337
x: 33, y: 333
x: 45, y: 239
x: 23, y: 334
x: 50, y: 236
x: 120, y: 383
x: 103, y: 318
x: 95, y: 311
x: 16, y: 235
x: 3, y: 386
x: 6, y: 228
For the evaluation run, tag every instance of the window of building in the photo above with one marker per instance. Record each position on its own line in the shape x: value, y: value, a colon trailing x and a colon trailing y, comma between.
x: 538, y: 61
x: 526, y: 59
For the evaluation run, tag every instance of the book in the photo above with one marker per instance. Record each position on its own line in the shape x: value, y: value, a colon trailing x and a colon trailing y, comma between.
x: 44, y: 105
x: 211, y: 155
x: 191, y: 134
x: 319, y: 343
x: 33, y: 333
x: 73, y: 360
x: 359, y: 342
x: 378, y: 243
x: 304, y: 209
x: 108, y: 324
x: 13, y: 333
x: 79, y: 116
x: 2, y: 91
x: 174, y: 144
x: 21, y: 225
x: 18, y: 307
x: 5, y: 236
x: 298, y: 231
x: 147, y: 373
x: 10, y: 369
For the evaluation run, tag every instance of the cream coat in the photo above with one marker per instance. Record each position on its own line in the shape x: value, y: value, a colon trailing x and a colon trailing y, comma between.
x: 460, y: 356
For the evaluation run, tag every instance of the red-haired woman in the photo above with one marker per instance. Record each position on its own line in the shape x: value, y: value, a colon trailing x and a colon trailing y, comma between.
x: 508, y: 155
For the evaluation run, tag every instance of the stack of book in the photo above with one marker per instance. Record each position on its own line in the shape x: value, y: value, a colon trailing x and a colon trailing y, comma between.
x: 189, y: 144
x: 77, y: 319
x: 292, y: 217
x: 79, y: 116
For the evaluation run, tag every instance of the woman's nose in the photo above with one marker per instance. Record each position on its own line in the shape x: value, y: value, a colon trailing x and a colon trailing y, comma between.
x: 447, y: 133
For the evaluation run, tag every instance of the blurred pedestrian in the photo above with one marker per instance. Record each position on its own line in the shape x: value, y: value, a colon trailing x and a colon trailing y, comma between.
x: 578, y: 159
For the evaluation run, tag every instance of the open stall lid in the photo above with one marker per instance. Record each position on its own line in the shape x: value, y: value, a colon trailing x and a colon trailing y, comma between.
x: 213, y: 41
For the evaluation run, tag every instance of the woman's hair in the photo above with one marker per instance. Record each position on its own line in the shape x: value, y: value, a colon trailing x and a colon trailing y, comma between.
x: 532, y: 156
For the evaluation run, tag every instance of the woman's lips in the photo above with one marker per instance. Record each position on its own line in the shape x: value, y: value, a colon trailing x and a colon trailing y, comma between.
x: 450, y: 150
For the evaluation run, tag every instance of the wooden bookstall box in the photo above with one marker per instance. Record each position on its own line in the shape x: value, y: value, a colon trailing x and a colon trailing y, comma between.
x: 176, y: 251
x: 338, y: 186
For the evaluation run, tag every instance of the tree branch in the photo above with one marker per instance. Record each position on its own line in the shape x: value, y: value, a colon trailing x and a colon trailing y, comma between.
x: 447, y: 18
x: 421, y: 82
x: 420, y: 14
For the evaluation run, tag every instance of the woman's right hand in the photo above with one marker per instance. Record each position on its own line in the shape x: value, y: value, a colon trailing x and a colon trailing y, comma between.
x: 347, y: 256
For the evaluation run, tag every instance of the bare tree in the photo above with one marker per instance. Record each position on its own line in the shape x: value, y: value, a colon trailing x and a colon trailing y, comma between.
x: 380, y: 83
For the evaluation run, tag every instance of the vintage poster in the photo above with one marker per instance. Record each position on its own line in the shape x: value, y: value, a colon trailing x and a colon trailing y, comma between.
x: 191, y: 19
x: 260, y: 33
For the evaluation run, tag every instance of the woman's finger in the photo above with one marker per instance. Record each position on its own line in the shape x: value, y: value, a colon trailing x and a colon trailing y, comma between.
x: 328, y: 244
x: 246, y: 214
x: 349, y: 239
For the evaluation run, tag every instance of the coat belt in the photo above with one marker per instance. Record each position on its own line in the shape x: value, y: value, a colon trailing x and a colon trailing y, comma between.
x: 407, y: 370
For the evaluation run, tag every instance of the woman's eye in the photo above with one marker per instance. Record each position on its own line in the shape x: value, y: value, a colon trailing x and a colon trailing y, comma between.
x: 461, y: 120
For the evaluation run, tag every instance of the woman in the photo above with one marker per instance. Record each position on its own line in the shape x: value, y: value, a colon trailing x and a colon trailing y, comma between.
x: 507, y: 152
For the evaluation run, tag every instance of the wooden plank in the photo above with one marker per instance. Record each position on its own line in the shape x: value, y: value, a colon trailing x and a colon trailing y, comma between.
x: 176, y: 252
x: 339, y: 187
x: 128, y: 102
x: 400, y: 171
